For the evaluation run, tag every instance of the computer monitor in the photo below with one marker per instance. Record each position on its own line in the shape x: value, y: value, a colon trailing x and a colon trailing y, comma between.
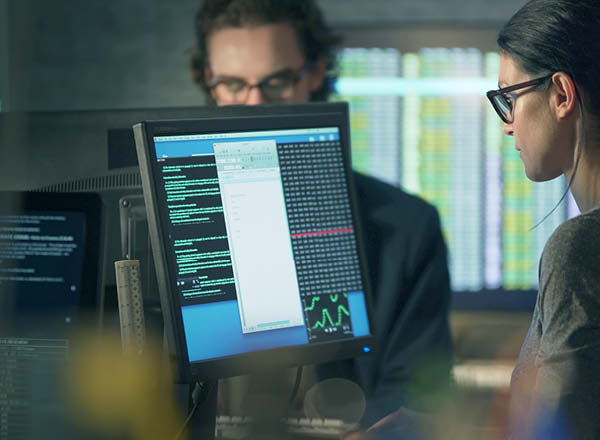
x: 255, y: 235
x: 50, y: 253
x: 50, y: 248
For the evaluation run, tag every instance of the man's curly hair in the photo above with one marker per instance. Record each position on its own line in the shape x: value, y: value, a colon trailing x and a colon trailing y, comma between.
x: 315, y: 37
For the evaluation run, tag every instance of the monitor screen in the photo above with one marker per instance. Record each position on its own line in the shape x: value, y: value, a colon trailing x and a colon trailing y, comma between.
x: 49, y: 254
x: 253, y: 216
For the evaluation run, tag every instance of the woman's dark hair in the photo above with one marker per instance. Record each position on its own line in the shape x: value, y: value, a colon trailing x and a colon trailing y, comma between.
x: 547, y: 36
x: 315, y: 37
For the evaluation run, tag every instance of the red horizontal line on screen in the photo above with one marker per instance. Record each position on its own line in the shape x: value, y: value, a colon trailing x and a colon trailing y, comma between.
x: 331, y: 231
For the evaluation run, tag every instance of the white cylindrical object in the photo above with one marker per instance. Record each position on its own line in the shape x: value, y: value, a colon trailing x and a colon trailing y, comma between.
x: 131, y: 306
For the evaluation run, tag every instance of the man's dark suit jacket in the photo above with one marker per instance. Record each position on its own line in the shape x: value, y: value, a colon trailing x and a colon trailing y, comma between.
x: 407, y: 260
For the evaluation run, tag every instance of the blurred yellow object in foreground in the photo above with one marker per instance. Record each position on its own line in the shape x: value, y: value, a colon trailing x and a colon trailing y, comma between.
x: 116, y: 394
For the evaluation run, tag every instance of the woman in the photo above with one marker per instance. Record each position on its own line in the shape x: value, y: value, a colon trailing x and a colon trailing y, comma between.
x: 549, y: 101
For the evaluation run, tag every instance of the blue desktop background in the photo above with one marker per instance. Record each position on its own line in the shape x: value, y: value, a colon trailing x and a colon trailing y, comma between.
x: 214, y: 330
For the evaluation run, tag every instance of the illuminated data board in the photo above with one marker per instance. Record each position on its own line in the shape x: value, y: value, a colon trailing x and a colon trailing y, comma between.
x: 421, y: 121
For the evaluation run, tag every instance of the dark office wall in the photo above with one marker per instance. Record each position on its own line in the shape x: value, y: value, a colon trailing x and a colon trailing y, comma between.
x: 72, y: 54
x: 447, y: 12
x: 3, y: 54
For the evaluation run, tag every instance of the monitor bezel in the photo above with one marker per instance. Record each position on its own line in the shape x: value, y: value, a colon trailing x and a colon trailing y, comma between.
x: 232, y: 119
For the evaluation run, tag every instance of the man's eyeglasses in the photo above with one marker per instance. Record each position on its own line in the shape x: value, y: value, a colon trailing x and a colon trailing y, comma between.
x: 504, y: 100
x: 277, y: 86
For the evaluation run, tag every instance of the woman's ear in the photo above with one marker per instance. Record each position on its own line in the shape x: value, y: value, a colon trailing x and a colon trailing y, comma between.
x: 564, y: 96
x: 317, y: 74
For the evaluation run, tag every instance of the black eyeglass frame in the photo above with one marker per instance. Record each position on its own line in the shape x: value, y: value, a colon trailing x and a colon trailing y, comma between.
x: 298, y: 75
x: 492, y: 94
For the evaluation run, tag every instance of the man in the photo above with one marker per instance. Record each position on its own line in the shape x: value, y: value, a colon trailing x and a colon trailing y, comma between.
x: 265, y: 51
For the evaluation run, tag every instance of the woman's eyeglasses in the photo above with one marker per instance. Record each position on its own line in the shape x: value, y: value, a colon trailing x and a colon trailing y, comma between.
x: 503, y: 100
